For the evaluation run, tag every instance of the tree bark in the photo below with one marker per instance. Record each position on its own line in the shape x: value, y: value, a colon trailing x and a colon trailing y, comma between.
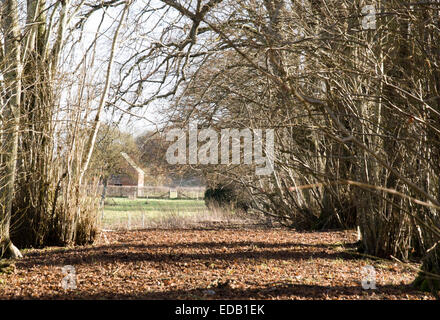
x: 12, y: 80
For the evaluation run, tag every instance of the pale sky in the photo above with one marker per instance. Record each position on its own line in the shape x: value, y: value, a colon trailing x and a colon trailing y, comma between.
x: 145, y: 116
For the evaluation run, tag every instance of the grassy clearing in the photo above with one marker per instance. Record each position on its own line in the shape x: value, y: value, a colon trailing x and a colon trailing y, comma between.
x: 124, y: 213
x: 122, y: 205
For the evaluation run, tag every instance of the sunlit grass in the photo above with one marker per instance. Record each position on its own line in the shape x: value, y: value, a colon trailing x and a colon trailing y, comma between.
x: 145, y: 212
x: 127, y: 214
x: 151, y: 205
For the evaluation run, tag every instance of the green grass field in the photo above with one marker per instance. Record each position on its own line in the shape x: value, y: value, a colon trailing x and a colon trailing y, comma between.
x: 123, y: 212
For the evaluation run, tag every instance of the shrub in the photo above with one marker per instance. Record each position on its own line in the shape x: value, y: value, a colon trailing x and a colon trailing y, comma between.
x: 226, y: 197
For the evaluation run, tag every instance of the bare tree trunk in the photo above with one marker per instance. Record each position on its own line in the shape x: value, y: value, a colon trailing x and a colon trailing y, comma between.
x: 97, y: 122
x: 11, y: 115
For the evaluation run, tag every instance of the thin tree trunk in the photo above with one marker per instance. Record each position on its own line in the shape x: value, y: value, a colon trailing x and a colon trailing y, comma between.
x: 97, y: 122
x: 11, y: 126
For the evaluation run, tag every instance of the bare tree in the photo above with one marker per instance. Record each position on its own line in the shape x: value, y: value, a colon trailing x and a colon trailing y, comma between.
x: 10, y: 121
x: 355, y: 108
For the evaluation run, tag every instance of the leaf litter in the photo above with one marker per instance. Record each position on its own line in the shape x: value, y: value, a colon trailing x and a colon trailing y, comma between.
x: 247, y: 263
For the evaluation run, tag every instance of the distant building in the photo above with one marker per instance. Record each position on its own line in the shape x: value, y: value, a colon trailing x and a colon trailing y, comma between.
x: 133, y: 177
x: 122, y: 179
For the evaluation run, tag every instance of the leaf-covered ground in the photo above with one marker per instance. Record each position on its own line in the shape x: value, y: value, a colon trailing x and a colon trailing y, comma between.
x: 207, y: 264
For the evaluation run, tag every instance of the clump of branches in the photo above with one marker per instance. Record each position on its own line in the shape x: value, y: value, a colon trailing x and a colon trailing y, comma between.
x: 355, y: 107
x: 51, y: 113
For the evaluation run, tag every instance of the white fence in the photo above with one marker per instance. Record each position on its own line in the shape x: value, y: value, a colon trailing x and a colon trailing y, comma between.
x: 155, y: 192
